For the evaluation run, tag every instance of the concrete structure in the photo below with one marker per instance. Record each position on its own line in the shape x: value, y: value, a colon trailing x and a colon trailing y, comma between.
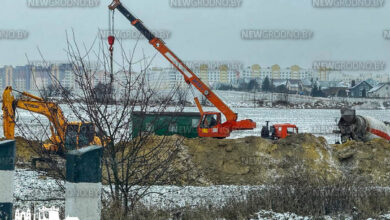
x: 7, y: 170
x: 83, y: 183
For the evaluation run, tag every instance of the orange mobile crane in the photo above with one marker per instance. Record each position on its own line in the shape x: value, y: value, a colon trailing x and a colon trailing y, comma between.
x: 211, y: 124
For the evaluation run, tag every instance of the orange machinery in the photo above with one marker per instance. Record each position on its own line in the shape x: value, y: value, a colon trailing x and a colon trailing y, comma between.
x: 278, y: 131
x: 211, y: 124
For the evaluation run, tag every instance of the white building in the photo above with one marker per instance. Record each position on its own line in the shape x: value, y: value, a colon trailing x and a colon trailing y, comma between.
x: 380, y: 91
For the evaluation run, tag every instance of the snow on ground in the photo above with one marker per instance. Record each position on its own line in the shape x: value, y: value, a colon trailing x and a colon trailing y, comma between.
x: 168, y: 197
x: 270, y: 215
x: 32, y: 187
x: 320, y: 122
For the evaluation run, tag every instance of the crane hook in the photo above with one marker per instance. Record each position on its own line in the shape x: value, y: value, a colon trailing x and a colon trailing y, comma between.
x: 111, y: 40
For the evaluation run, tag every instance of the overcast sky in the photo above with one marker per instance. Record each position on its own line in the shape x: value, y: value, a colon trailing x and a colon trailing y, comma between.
x: 207, y: 33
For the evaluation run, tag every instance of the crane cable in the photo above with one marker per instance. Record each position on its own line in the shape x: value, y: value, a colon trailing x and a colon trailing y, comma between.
x: 111, y: 41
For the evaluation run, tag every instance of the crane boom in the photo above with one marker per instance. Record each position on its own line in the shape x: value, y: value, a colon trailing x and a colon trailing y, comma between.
x: 188, y: 74
x: 220, y: 130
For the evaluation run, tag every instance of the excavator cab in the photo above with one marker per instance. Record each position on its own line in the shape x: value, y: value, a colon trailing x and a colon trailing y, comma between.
x: 210, y: 126
x: 78, y: 135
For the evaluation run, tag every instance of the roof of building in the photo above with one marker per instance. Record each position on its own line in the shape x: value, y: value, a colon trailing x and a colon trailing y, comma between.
x: 307, y: 82
x: 360, y: 83
x: 378, y: 87
x: 372, y: 82
x: 295, y: 81
x: 279, y: 82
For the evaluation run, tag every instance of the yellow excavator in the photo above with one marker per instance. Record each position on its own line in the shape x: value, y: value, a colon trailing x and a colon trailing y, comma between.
x: 65, y: 135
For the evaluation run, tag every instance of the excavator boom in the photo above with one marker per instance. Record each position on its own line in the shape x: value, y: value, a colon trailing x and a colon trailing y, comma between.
x: 36, y: 104
x: 188, y: 74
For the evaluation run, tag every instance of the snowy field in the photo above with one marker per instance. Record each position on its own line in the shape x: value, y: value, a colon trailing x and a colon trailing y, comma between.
x: 320, y: 122
x: 35, y: 188
x: 32, y: 189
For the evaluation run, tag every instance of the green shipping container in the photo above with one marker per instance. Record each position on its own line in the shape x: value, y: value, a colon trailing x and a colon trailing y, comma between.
x: 166, y: 123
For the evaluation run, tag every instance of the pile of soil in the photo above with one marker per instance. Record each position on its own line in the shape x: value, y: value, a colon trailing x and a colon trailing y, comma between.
x: 365, y: 162
x: 253, y: 160
x: 257, y: 161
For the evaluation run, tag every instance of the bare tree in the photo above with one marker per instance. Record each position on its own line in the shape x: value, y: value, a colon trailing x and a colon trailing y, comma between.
x: 132, y: 162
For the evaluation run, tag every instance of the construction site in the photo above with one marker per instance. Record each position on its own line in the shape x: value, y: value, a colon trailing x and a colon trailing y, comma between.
x: 120, y: 150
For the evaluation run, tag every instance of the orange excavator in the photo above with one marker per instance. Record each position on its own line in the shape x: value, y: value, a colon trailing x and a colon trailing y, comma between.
x: 211, y: 124
x: 65, y: 135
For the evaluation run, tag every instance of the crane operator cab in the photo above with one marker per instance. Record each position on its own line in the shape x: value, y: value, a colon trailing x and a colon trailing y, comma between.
x: 78, y: 135
x: 210, y: 126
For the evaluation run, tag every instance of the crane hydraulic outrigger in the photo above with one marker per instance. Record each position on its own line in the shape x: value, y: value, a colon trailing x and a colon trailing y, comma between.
x: 211, y: 122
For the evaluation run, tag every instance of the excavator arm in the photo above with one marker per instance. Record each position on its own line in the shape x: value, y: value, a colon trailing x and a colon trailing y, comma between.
x: 188, y: 74
x: 34, y: 104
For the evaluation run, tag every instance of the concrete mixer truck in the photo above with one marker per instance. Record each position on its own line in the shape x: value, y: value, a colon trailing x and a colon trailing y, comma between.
x: 361, y: 128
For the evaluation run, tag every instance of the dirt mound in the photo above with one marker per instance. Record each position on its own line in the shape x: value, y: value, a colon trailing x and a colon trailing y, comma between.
x: 366, y: 162
x: 253, y: 160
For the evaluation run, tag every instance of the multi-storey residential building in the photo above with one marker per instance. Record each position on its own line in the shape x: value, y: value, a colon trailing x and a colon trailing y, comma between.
x: 295, y: 72
x: 276, y: 74
x: 66, y: 76
x: 21, y: 77
x: 256, y: 71
x: 203, y: 73
x: 164, y: 78
x: 6, y: 76
x: 40, y: 77
x: 224, y: 74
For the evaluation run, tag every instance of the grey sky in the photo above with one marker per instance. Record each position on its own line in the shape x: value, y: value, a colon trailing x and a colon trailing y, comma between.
x: 208, y: 33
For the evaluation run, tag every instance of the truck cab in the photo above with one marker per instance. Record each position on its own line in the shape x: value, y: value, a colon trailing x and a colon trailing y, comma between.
x: 278, y: 131
x: 283, y: 130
